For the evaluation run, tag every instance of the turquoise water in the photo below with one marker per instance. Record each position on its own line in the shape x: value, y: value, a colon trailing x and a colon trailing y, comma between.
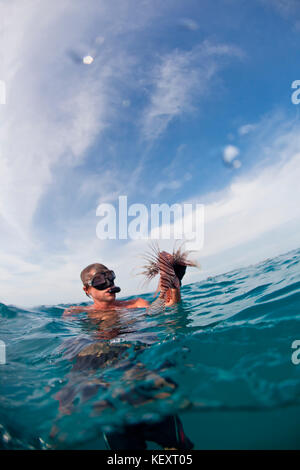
x: 227, y: 346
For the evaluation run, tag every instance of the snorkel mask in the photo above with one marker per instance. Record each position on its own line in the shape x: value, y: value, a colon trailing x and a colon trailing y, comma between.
x: 103, y: 280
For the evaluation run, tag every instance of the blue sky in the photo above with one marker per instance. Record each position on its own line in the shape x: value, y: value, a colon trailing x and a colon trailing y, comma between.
x: 172, y: 86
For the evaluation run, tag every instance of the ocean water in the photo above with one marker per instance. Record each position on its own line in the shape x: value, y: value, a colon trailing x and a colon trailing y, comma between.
x: 221, y: 361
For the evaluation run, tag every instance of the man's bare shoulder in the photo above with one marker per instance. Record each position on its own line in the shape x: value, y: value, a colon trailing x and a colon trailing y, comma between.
x: 133, y: 303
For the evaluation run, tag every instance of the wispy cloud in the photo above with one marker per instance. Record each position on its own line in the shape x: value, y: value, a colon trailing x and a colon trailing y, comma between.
x: 170, y: 184
x: 56, y: 109
x: 259, y: 206
x: 262, y: 205
x: 179, y: 79
x: 64, y: 123
x: 189, y: 24
x: 246, y: 129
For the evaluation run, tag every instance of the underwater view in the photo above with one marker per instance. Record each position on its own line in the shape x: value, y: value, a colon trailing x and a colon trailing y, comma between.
x: 220, y: 362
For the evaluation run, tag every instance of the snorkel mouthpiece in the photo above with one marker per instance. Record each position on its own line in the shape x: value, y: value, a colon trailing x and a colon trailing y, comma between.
x: 114, y: 290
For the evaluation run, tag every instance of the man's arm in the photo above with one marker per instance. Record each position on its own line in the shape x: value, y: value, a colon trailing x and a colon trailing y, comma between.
x: 141, y: 303
x: 133, y: 303
x: 68, y: 312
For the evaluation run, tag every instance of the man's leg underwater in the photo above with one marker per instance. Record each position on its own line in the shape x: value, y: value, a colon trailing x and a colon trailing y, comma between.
x: 168, y: 433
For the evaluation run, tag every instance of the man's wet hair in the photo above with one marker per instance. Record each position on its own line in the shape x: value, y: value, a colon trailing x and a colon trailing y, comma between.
x: 88, y: 272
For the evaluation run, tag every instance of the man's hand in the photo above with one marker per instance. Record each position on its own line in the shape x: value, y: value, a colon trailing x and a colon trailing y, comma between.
x: 170, y: 280
x: 172, y: 268
x: 179, y: 271
x: 172, y: 297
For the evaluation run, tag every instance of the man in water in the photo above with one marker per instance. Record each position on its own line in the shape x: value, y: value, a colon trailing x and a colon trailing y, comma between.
x: 98, y: 283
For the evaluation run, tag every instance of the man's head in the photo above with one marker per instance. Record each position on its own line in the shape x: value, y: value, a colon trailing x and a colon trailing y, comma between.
x: 97, y: 281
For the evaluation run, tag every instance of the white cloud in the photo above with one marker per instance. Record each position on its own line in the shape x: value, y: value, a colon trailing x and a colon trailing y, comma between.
x: 258, y: 215
x: 230, y: 153
x: 171, y: 184
x: 55, y: 110
x: 180, y: 78
x: 262, y: 206
x: 246, y: 129
x: 88, y: 60
x: 252, y: 206
x: 48, y: 120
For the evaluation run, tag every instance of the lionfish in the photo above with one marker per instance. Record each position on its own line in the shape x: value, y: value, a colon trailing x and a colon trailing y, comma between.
x: 171, y: 268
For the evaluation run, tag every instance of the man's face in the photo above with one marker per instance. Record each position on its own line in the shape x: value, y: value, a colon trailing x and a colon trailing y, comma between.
x: 102, y: 295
